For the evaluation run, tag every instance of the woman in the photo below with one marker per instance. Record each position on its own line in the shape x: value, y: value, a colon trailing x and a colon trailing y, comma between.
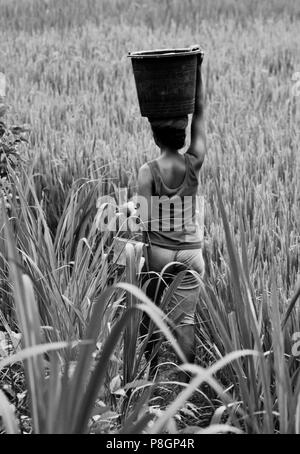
x: 174, y: 176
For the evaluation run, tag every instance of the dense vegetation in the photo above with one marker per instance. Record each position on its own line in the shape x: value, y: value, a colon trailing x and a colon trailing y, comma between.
x: 69, y: 79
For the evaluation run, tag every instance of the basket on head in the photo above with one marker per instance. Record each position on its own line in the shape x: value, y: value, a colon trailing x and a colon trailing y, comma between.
x: 166, y: 81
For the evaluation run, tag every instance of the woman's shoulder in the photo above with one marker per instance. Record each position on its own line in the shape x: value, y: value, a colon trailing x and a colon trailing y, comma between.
x: 192, y: 171
x: 145, y: 169
x: 151, y: 167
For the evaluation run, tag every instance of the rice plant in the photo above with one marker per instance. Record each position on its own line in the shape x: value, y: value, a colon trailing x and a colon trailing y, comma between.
x: 76, y: 311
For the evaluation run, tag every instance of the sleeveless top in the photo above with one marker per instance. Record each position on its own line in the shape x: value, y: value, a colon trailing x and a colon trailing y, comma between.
x: 173, y: 224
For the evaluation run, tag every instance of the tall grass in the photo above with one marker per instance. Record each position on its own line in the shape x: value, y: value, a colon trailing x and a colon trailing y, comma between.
x: 251, y: 350
x: 77, y: 93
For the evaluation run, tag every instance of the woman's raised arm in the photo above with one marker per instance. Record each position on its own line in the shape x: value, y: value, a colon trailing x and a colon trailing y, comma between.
x: 197, y: 148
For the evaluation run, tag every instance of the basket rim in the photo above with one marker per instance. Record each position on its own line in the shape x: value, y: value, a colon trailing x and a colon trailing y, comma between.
x: 162, y: 53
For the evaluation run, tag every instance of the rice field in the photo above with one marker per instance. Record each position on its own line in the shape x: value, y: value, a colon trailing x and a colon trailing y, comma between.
x: 69, y: 79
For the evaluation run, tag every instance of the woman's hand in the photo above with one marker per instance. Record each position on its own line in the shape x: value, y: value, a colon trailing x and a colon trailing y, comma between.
x: 130, y: 213
x: 128, y: 209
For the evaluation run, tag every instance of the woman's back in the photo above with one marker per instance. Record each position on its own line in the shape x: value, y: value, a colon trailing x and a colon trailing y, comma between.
x: 172, y: 169
x: 173, y: 203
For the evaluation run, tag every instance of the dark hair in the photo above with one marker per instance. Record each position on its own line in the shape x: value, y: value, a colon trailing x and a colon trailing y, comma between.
x: 169, y: 132
x: 169, y: 137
